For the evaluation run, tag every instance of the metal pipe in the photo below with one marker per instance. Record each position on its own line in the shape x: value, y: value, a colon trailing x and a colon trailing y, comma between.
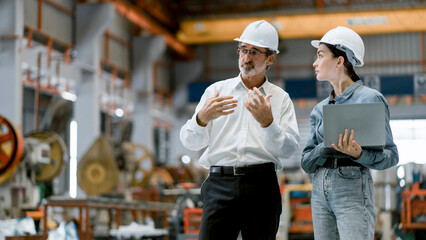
x: 207, y: 67
x: 320, y: 5
x: 49, y: 58
x: 37, y: 92
x: 39, y: 14
x: 133, y: 15
x: 278, y: 67
x: 118, y: 39
x: 309, y: 65
x: 60, y: 7
x: 422, y: 49
x: 106, y: 47
x: 39, y: 31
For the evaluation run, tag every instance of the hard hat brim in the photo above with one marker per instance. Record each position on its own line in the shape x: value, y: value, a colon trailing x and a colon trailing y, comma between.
x: 255, y: 44
x: 315, y: 43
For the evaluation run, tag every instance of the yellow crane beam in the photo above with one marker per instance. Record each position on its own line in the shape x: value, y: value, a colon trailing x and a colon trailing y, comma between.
x: 306, y: 25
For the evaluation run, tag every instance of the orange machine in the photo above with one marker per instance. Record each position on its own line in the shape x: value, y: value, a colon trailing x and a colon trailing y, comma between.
x: 413, y: 205
x: 192, y: 220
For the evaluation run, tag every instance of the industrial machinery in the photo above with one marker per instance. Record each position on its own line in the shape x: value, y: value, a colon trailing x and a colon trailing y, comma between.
x: 97, y: 171
x: 11, y: 148
x: 385, y: 185
x: 115, y: 165
x: 413, y: 214
x: 108, y: 168
x: 25, y: 165
x: 186, y: 216
x: 413, y: 201
x: 45, y: 153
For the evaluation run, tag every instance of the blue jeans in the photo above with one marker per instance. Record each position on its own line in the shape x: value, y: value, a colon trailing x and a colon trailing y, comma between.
x: 343, y: 204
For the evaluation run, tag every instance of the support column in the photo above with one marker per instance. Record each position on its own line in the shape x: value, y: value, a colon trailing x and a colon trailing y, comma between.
x: 11, y: 30
x: 146, y: 51
x: 185, y: 73
x: 91, y: 22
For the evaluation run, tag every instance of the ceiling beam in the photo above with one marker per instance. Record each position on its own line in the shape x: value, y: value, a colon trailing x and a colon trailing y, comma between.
x: 135, y: 16
x: 157, y: 13
x: 306, y: 25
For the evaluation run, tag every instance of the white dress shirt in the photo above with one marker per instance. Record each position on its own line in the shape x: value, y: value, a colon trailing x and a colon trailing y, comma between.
x: 238, y: 139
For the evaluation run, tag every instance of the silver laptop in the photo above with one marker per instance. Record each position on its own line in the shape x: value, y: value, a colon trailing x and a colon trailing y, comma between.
x: 366, y: 119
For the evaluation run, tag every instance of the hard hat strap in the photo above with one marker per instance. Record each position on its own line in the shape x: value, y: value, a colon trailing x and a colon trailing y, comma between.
x: 349, y: 54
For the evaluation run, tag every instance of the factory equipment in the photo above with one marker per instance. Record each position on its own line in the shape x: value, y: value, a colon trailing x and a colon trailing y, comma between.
x: 107, y: 167
x: 413, y: 201
x: 25, y: 164
x: 297, y: 216
x: 186, y: 215
x: 413, y: 214
x: 143, y: 164
x: 11, y: 148
x: 97, y: 171
x: 44, y: 153
x: 385, y: 183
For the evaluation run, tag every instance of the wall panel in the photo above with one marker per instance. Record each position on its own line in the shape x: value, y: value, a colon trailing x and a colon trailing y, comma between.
x: 67, y: 3
x: 30, y: 13
x: 56, y: 23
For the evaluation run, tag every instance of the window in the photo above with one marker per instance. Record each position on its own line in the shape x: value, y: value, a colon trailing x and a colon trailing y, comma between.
x: 410, y: 138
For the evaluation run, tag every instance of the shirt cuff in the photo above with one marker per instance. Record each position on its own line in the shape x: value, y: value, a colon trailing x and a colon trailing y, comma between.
x: 194, y: 125
x: 272, y: 130
x: 360, y: 159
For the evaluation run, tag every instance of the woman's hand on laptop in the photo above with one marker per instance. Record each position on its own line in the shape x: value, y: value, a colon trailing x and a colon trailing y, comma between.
x: 348, y: 145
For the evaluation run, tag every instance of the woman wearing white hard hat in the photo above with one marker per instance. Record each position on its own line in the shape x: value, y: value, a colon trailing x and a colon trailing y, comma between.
x: 343, y: 190
x: 246, y: 125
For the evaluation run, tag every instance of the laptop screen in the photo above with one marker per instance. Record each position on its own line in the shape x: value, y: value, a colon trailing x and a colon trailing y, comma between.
x: 366, y: 119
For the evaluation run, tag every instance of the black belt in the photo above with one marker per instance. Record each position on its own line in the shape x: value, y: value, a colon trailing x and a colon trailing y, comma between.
x: 243, y: 170
x: 340, y: 162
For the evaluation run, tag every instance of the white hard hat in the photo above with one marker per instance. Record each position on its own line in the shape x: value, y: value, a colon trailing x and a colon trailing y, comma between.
x: 261, y: 34
x: 347, y: 40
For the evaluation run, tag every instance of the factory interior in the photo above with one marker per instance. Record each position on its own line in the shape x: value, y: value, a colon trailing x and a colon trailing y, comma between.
x: 95, y: 93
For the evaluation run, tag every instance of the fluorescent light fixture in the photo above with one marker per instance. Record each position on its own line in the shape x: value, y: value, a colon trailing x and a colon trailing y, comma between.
x: 73, y: 159
x: 69, y: 96
x: 402, y: 183
x: 410, y: 137
x: 119, y: 112
x: 388, y: 197
x: 400, y: 172
x: 185, y: 159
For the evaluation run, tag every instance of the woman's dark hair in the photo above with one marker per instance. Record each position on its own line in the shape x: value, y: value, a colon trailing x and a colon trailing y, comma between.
x: 348, y: 65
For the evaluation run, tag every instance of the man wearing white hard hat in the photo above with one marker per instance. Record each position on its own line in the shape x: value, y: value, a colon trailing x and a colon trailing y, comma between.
x: 246, y: 125
x: 343, y: 190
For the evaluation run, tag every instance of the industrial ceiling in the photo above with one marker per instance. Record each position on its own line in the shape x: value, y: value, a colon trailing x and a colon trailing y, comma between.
x: 186, y: 22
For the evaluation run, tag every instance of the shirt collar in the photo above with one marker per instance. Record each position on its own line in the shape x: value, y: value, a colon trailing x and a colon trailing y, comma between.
x: 346, y: 94
x: 239, y: 83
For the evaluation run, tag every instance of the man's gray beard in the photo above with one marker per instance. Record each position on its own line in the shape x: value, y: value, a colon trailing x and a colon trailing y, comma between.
x: 246, y: 71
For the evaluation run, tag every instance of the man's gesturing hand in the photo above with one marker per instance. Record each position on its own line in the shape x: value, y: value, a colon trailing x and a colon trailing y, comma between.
x: 259, y: 107
x: 215, y: 107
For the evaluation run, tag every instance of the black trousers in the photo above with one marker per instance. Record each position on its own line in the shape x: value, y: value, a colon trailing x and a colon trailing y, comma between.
x: 249, y: 203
